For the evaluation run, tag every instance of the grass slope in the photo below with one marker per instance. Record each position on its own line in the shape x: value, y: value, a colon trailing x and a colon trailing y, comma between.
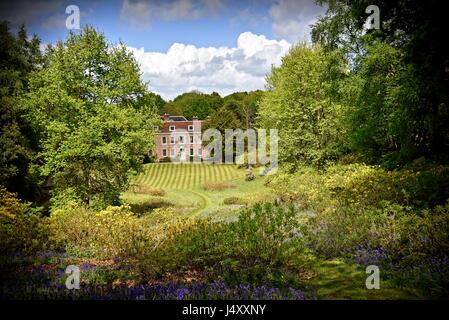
x: 183, y: 184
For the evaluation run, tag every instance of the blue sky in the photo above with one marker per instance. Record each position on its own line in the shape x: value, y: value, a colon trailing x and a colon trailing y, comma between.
x: 211, y: 45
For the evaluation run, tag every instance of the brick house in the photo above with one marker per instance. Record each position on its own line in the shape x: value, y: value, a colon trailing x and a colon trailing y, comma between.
x: 178, y: 139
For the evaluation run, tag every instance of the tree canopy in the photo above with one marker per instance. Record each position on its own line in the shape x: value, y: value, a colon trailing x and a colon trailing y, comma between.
x: 94, y: 118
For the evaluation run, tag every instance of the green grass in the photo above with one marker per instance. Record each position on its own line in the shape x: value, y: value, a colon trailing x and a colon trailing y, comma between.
x: 184, y: 183
x: 335, y: 279
x: 186, y: 176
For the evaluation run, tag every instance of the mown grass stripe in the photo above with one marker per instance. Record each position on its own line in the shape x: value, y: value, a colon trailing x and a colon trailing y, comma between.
x: 187, y: 175
x: 167, y: 176
x: 146, y: 175
x: 160, y: 172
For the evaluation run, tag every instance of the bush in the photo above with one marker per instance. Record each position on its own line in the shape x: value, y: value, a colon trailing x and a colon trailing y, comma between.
x: 113, y: 233
x: 22, y: 228
x: 217, y: 186
x: 145, y: 189
x: 142, y: 208
x: 234, y: 200
x: 366, y: 214
x: 249, y: 175
x: 264, y: 240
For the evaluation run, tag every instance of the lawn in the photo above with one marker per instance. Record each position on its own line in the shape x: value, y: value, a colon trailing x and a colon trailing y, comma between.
x: 184, y: 189
x: 171, y: 258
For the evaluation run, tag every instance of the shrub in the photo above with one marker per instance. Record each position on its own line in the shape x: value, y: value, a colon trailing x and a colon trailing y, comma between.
x: 113, y: 233
x: 249, y: 175
x: 264, y: 240
x: 368, y: 215
x: 145, y: 189
x: 22, y: 228
x: 234, y: 200
x: 217, y: 186
x: 141, y: 208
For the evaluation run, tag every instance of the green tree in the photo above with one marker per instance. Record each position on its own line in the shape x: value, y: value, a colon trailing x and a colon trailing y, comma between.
x: 415, y: 29
x: 19, y: 56
x: 300, y: 103
x: 378, y: 98
x: 197, y: 104
x: 96, y: 125
x: 244, y: 105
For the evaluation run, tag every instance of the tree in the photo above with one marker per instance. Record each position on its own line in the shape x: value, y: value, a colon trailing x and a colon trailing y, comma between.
x: 96, y: 125
x: 244, y: 105
x: 301, y: 105
x: 197, y: 104
x: 19, y: 56
x: 416, y: 30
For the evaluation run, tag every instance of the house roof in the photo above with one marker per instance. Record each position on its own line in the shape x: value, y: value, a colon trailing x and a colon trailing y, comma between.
x: 177, y: 118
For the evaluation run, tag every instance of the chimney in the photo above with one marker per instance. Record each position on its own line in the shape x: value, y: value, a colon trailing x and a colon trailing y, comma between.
x: 166, y: 117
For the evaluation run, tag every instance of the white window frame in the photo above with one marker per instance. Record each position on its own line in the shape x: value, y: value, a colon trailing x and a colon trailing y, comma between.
x: 171, y: 128
x: 199, y: 152
x: 172, y: 139
x: 192, y: 152
x: 192, y: 139
x: 162, y: 140
x: 181, y: 139
x: 190, y: 127
x: 172, y: 152
x: 164, y: 151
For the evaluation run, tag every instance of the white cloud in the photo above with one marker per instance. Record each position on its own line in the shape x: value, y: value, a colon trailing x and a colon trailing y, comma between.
x: 224, y: 70
x: 292, y: 18
x: 141, y: 13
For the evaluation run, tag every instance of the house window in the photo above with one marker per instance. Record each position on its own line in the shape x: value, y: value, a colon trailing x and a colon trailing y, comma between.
x: 199, y: 152
x: 191, y: 139
x: 181, y: 139
x: 164, y: 140
x: 172, y: 139
x: 190, y: 128
x: 171, y: 128
x: 191, y: 152
x: 164, y: 152
x: 172, y: 152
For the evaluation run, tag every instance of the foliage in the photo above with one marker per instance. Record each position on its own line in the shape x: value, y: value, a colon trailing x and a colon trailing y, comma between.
x: 300, y: 103
x: 19, y: 56
x: 244, y: 105
x: 194, y: 104
x: 234, y: 200
x: 264, y: 240
x: 113, y: 233
x: 407, y: 52
x: 379, y: 97
x: 145, y: 189
x: 249, y: 175
x: 366, y: 214
x: 22, y: 229
x: 217, y: 186
x: 96, y: 126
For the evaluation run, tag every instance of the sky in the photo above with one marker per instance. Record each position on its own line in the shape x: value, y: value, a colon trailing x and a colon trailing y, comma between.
x: 183, y: 45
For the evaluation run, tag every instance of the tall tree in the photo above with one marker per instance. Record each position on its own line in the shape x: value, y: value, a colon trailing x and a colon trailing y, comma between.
x: 19, y: 56
x: 299, y: 103
x: 197, y: 104
x: 416, y: 30
x: 96, y: 124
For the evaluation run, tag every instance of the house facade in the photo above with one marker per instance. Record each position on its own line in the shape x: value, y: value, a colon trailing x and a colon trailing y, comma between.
x: 178, y: 140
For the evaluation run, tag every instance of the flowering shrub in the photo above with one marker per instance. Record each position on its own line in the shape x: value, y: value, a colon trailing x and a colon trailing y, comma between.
x: 263, y: 239
x: 22, y: 229
x: 397, y: 219
x: 111, y: 233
